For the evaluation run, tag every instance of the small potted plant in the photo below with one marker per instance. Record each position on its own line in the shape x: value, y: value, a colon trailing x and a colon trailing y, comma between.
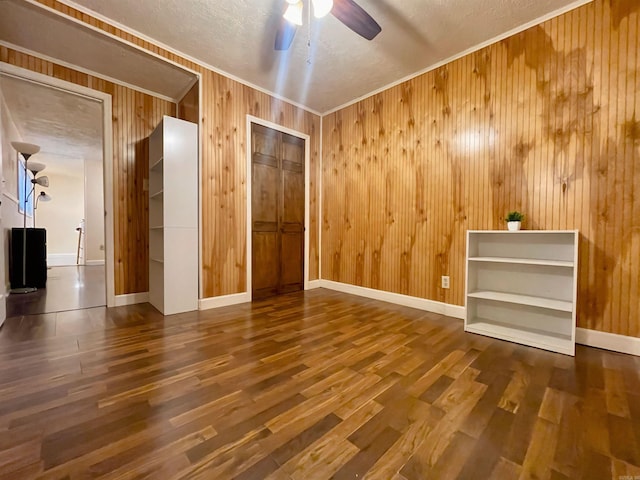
x: 514, y: 221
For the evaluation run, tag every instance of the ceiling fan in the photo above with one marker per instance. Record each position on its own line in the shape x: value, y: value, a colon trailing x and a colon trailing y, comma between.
x: 347, y: 11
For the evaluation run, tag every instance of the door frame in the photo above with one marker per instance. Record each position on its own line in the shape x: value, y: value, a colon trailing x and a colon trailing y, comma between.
x: 249, y: 241
x: 107, y: 158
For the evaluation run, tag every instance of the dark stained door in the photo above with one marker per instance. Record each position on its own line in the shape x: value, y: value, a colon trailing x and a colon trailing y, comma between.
x: 277, y: 210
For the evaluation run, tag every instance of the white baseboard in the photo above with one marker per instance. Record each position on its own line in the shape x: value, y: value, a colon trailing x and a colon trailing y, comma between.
x: 590, y: 338
x: 94, y: 263
x: 447, y: 309
x: 61, y: 259
x: 223, y: 300
x: 132, y: 298
x: 608, y: 341
x: 314, y: 284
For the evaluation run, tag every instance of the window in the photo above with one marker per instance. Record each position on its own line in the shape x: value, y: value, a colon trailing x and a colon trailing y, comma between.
x: 21, y: 188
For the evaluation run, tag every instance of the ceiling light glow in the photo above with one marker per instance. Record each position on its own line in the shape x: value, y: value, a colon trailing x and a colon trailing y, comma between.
x: 322, y: 8
x: 294, y: 13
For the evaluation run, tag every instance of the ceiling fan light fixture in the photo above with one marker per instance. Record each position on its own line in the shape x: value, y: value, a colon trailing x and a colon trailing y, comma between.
x: 293, y: 14
x: 322, y: 8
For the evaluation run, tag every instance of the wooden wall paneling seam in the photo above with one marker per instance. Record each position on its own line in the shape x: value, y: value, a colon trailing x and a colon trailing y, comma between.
x: 607, y: 194
x: 616, y: 186
x: 625, y: 202
x: 634, y: 250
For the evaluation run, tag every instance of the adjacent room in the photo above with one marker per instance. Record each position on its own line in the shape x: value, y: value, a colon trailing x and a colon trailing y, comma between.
x: 316, y: 239
x: 68, y: 129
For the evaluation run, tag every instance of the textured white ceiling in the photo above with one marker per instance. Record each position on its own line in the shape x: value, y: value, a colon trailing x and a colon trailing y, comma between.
x: 237, y: 36
x: 67, y: 127
x: 33, y: 28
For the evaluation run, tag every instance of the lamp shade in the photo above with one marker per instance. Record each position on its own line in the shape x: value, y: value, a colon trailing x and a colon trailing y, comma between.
x: 44, y: 197
x: 25, y: 148
x: 35, y: 167
x: 42, y: 181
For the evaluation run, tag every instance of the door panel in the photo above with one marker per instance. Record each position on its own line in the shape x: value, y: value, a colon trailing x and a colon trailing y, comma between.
x: 264, y: 141
x: 293, y: 149
x: 277, y: 212
x: 293, y: 192
x: 264, y: 194
x: 292, y: 258
x: 265, y: 266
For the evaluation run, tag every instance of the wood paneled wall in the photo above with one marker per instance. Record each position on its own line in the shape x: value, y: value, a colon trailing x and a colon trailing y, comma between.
x: 546, y: 122
x: 189, y: 105
x: 135, y: 115
x: 225, y: 106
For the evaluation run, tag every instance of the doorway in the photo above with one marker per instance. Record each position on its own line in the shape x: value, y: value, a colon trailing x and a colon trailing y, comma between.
x: 278, y: 213
x: 79, y: 250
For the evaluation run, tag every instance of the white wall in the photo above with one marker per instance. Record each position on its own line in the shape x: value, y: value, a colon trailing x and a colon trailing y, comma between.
x: 94, y: 211
x: 62, y: 215
x: 11, y: 217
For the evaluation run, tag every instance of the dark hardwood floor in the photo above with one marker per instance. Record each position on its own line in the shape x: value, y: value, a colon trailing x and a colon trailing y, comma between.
x: 68, y: 288
x: 310, y: 385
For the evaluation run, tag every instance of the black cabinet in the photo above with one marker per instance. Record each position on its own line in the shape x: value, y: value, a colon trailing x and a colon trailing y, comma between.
x: 36, y: 259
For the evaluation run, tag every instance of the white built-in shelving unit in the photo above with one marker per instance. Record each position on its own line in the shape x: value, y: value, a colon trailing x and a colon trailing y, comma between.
x: 173, y: 216
x: 522, y: 287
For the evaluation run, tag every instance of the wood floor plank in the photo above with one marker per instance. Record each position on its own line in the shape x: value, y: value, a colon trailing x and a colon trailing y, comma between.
x: 537, y: 462
x: 616, y: 394
x: 311, y: 385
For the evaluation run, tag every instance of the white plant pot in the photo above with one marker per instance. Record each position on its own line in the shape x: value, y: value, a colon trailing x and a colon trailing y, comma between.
x: 513, y: 226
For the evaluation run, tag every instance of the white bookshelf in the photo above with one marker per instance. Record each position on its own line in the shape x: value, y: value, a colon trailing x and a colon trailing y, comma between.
x: 522, y: 287
x: 173, y: 216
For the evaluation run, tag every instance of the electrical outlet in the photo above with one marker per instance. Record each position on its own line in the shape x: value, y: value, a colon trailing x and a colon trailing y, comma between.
x: 445, y: 281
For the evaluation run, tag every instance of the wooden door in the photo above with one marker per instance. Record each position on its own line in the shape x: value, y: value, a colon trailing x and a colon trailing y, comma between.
x: 277, y: 211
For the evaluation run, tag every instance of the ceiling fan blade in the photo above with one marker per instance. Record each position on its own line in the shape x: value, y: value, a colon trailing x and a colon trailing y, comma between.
x: 354, y: 17
x: 284, y: 35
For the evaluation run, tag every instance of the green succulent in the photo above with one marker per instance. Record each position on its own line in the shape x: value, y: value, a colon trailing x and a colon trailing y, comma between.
x: 514, y: 216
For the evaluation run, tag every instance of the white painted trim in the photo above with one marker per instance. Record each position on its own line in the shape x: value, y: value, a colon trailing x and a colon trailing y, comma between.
x: 590, y: 338
x: 94, y: 263
x: 608, y: 341
x: 61, y: 260
x: 124, y: 28
x: 107, y: 185
x: 447, y: 309
x: 196, y: 79
x: 307, y: 213
x: 78, y: 68
x: 10, y: 197
x: 224, y: 300
x: 131, y: 299
x: 314, y: 284
x: 251, y: 119
x: 200, y: 177
x: 107, y: 118
x: 320, y: 197
x: 88, y: 26
x: 166, y: 47
x: 475, y: 48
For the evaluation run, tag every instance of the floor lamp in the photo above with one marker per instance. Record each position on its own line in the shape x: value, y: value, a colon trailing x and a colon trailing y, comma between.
x: 26, y: 150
